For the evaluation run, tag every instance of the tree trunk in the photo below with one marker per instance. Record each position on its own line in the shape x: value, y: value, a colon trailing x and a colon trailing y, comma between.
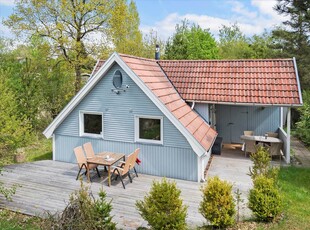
x: 78, y: 77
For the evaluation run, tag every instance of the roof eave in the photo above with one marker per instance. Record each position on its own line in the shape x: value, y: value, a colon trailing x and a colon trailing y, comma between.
x: 245, y: 104
x: 298, y: 82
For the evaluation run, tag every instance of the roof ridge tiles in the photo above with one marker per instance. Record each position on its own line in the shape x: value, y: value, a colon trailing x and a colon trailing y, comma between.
x: 228, y: 60
x: 135, y: 57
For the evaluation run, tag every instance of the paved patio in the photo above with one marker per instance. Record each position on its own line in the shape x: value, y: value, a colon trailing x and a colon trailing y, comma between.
x: 46, y: 186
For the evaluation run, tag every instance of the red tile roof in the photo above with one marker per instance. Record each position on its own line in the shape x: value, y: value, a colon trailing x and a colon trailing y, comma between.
x: 271, y: 81
x: 154, y: 78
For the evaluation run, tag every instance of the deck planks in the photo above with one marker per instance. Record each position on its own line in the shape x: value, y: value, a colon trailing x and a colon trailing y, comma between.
x: 47, y: 185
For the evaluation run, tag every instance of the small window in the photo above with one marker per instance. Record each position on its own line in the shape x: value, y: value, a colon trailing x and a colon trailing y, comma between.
x: 149, y: 129
x: 91, y: 124
x: 117, y: 79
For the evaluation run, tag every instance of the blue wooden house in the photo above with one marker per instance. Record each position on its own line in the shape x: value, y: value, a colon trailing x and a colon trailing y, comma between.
x: 171, y: 109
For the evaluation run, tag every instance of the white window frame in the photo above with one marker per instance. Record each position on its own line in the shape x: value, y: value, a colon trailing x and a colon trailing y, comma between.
x: 81, y: 122
x: 137, y: 130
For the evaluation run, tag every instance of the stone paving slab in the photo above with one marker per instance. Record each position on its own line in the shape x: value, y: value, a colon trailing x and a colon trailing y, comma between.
x: 301, y: 153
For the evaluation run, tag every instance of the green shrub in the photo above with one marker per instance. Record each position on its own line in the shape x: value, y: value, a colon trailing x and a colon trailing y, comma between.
x: 163, y: 208
x: 83, y: 212
x: 261, y: 164
x: 264, y: 199
x: 218, y: 205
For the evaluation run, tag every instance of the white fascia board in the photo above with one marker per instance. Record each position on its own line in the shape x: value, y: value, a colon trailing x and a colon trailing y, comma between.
x: 48, y: 132
x: 196, y: 146
x: 297, y: 79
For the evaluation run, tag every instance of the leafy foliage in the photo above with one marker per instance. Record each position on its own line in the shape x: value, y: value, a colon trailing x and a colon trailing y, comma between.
x: 233, y: 44
x: 83, y: 212
x: 14, y: 129
x: 7, y: 192
x: 191, y: 42
x: 293, y: 38
x: 264, y: 199
x: 261, y: 164
x: 303, y: 126
x: 124, y: 29
x: 163, y: 208
x: 68, y: 26
x: 218, y: 204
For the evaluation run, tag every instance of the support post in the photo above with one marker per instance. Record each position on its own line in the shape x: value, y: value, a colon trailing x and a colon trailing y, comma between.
x: 281, y: 117
x: 288, y: 138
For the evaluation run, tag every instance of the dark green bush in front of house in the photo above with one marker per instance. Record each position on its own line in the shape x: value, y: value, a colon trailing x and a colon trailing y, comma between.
x: 218, y: 205
x: 264, y: 199
x: 261, y: 164
x: 83, y: 212
x: 163, y: 208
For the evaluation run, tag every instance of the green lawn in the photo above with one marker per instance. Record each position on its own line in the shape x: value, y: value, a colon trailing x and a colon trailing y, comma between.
x: 295, y: 187
x: 40, y: 149
x: 14, y: 221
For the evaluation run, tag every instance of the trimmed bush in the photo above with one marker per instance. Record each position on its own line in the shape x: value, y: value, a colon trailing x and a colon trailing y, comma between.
x: 264, y: 199
x: 218, y: 205
x: 163, y: 208
x: 261, y: 164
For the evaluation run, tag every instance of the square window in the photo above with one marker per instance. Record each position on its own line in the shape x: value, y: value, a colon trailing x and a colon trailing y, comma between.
x: 149, y: 129
x: 91, y: 124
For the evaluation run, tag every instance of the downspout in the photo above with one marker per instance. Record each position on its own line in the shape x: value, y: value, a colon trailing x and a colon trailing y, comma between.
x: 193, y: 105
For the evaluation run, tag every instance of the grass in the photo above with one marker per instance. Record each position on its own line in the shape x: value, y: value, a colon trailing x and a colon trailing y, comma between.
x: 15, y: 221
x: 295, y: 188
x: 40, y: 149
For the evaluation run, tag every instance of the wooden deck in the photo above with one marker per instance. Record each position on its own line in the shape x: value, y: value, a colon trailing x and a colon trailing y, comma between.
x: 46, y: 186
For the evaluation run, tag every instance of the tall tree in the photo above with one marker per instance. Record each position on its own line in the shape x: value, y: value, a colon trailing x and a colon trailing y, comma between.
x: 69, y: 25
x: 191, y: 42
x: 124, y: 29
x: 150, y: 41
x: 233, y: 44
x: 294, y: 38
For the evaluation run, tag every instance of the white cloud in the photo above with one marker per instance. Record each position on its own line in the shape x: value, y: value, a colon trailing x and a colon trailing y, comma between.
x: 7, y: 2
x: 251, y: 21
x: 239, y: 8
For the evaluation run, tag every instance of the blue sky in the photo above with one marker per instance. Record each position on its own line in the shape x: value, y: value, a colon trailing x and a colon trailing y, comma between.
x: 252, y: 16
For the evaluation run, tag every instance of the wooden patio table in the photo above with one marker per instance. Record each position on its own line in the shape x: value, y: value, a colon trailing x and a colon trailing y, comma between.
x: 261, y: 139
x: 101, y: 159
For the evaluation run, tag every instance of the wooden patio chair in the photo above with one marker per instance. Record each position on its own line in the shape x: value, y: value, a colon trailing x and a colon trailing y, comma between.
x: 90, y: 153
x: 272, y: 134
x: 81, y: 161
x: 249, y: 147
x: 275, y: 149
x: 134, y: 160
x: 248, y: 133
x: 124, y: 170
